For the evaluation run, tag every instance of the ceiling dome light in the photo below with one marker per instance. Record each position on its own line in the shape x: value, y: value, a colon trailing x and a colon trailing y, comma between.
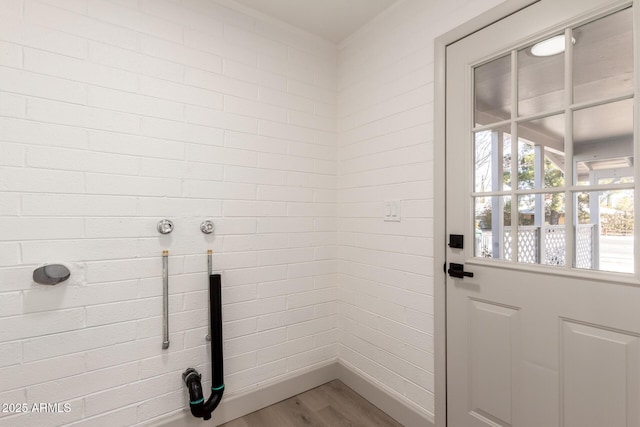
x: 551, y: 46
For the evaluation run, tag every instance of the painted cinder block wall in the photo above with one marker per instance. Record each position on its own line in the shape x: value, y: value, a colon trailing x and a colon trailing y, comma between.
x: 116, y: 114
x: 385, y: 146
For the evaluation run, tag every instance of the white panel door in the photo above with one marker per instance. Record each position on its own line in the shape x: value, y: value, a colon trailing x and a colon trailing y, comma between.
x: 543, y: 297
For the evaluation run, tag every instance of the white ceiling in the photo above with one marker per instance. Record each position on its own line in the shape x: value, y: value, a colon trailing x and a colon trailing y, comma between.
x: 333, y: 20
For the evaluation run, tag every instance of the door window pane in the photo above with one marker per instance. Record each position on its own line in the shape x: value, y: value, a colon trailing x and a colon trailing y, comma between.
x: 541, y: 229
x: 492, y: 159
x: 540, y: 82
x: 604, y: 232
x: 492, y: 225
x: 541, y: 153
x: 603, y: 57
x: 492, y: 83
x: 603, y: 141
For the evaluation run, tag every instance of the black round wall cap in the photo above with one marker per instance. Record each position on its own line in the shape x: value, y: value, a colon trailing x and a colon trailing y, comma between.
x: 51, y: 274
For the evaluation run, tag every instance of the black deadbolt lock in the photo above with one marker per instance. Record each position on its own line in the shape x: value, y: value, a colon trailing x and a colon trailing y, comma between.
x: 456, y: 241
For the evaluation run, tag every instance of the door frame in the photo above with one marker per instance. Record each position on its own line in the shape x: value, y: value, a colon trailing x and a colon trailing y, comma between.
x: 440, y: 71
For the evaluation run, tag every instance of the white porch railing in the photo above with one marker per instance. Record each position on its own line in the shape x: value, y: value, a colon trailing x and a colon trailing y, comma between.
x: 554, y: 250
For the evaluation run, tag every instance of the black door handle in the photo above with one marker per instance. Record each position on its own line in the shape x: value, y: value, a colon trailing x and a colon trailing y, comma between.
x: 457, y: 270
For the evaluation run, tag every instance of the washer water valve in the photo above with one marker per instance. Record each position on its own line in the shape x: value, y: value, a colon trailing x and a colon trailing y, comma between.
x: 165, y: 226
x: 207, y: 227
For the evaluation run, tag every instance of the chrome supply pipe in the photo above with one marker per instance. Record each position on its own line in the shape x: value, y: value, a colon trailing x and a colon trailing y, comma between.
x: 210, y: 271
x: 165, y: 299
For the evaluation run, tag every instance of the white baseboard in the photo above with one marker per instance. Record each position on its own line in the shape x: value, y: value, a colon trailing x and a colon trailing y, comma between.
x: 241, y: 404
x: 406, y: 414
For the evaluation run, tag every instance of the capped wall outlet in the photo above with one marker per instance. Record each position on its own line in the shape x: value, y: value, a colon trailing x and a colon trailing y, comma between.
x: 392, y: 210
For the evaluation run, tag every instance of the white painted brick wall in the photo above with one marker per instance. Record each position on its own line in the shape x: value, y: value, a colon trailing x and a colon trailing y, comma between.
x: 115, y: 114
x: 385, y: 149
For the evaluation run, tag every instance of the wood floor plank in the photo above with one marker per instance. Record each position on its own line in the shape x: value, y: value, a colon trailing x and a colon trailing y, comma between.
x: 357, y: 409
x: 331, y: 417
x: 316, y: 398
x: 265, y: 417
x: 330, y: 405
x: 298, y: 413
x: 238, y: 422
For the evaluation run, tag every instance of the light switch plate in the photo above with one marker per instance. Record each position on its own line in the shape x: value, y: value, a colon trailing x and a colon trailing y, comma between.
x: 391, y: 210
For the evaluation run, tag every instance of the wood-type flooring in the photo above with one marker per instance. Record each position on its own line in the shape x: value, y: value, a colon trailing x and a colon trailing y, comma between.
x: 330, y: 405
